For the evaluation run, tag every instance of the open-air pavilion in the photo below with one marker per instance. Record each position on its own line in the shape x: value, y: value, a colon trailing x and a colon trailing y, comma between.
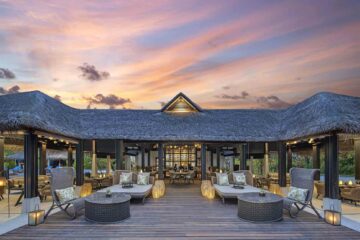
x: 182, y: 134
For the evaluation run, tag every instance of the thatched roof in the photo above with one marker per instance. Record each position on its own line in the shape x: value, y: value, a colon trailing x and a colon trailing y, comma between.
x: 321, y: 113
x: 50, y: 155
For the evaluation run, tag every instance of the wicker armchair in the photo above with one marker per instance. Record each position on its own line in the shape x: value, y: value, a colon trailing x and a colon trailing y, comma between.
x: 63, y: 178
x: 190, y: 177
x: 301, y: 178
x: 351, y: 194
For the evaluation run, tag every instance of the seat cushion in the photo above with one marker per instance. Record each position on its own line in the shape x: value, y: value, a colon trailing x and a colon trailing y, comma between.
x: 298, y: 194
x: 137, y: 191
x: 230, y: 192
x: 66, y: 194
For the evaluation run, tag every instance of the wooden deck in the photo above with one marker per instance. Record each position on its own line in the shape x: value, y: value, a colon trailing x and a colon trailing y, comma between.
x: 183, y: 213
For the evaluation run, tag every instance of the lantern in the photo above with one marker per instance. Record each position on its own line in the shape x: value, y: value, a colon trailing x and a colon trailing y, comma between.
x: 350, y: 183
x: 332, y: 217
x: 36, y: 217
x: 85, y: 190
x: 2, y: 182
x: 158, y: 189
x: 207, y: 190
x: 275, y: 189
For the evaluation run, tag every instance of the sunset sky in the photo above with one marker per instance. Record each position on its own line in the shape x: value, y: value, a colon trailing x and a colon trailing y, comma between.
x: 139, y: 54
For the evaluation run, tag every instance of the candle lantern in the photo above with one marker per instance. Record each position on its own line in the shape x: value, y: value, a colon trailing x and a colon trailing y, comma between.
x: 332, y: 217
x: 36, y: 217
x: 85, y: 190
x: 2, y: 182
x: 158, y: 189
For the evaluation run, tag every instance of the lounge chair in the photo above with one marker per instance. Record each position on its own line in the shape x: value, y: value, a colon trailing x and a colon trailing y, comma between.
x: 351, y: 194
x: 301, y: 178
x: 136, y: 192
x: 62, y: 178
x: 226, y: 192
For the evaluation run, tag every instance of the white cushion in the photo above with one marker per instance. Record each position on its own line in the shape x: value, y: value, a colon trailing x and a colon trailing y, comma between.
x: 143, y: 178
x: 222, y: 179
x: 125, y: 178
x: 66, y: 194
x: 298, y: 194
x: 239, y: 178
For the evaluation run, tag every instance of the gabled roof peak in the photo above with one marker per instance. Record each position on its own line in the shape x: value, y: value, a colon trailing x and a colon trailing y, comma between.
x: 181, y: 103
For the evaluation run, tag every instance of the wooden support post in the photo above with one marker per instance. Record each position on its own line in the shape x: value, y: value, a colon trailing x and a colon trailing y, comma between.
x: 282, y: 164
x: 196, y: 162
x: 119, y: 154
x: 316, y: 156
x: 331, y: 167
x: 357, y: 158
x: 244, y: 156
x: 211, y: 158
x: 80, y: 163
x: 143, y: 157
x: 31, y: 165
x: 203, y: 161
x: 289, y: 159
x: 218, y: 157
x: 266, y: 160
x: 43, y: 160
x: 108, y: 165
x: 93, y: 159
x: 2, y: 155
x: 161, y: 161
x: 149, y: 158
x: 70, y: 160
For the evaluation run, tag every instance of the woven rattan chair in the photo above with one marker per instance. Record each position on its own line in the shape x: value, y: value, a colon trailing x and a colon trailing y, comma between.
x: 63, y: 178
x: 301, y: 178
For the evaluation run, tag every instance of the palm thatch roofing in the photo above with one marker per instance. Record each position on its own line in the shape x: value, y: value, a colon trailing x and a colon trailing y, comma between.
x: 319, y: 114
x: 50, y: 155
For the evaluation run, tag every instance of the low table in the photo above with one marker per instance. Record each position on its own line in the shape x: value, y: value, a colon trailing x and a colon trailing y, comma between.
x: 99, y: 208
x: 254, y: 208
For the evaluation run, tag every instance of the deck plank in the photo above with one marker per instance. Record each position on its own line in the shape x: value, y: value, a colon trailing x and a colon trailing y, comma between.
x: 183, y: 213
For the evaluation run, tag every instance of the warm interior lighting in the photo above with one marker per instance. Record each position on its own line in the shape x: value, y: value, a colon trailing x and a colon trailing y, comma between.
x: 220, y: 171
x: 341, y: 182
x: 2, y: 182
x: 350, y: 183
x: 207, y: 190
x: 85, y: 190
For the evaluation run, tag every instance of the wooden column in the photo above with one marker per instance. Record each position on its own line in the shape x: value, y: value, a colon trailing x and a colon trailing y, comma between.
x: 142, y: 157
x: 80, y: 163
x: 2, y: 155
x: 316, y: 156
x: 70, y: 160
x: 331, y: 167
x: 93, y: 159
x: 357, y: 158
x: 282, y: 164
x: 289, y: 158
x: 149, y: 158
x: 196, y: 162
x: 203, y: 161
x: 119, y: 154
x: 266, y: 159
x: 218, y: 157
x: 244, y: 156
x: 43, y: 160
x: 31, y: 165
x: 211, y: 159
x: 161, y: 161
x: 108, y: 165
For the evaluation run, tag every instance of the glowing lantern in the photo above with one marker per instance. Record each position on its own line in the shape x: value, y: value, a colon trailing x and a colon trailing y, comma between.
x: 158, y: 189
x: 350, y: 183
x: 2, y: 182
x: 85, y: 190
x: 36, y: 217
x: 207, y: 190
x: 275, y: 189
x: 341, y: 182
x: 332, y: 217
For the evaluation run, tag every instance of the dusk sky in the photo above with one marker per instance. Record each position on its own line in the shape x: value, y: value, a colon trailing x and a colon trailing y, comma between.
x: 138, y: 54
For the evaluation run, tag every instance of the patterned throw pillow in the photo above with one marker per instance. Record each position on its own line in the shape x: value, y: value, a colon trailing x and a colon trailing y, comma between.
x: 298, y: 194
x: 65, y: 194
x: 125, y: 178
x: 143, y: 178
x: 239, y: 178
x: 222, y: 179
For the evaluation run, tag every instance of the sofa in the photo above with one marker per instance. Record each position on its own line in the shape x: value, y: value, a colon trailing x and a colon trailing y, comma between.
x: 136, y: 192
x: 228, y: 191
